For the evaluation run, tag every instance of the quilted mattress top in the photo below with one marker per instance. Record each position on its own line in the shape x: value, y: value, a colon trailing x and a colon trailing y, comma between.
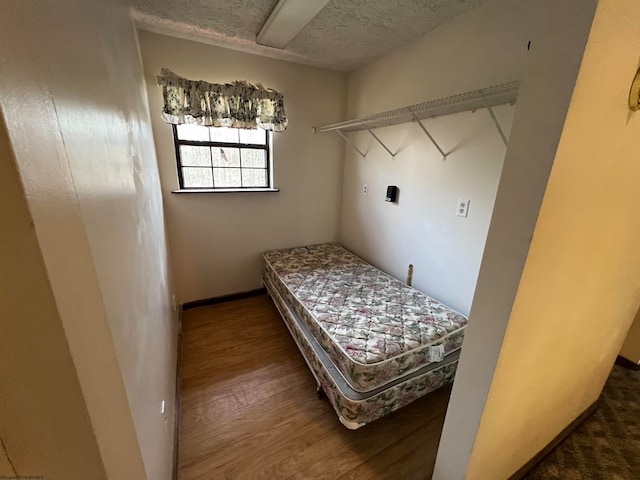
x: 371, y: 317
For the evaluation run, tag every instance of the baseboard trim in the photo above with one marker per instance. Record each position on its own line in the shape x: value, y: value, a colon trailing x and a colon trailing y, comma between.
x: 527, y: 467
x: 626, y: 363
x: 177, y: 402
x: 224, y: 298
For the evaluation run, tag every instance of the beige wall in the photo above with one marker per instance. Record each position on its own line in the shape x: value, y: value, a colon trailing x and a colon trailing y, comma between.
x: 43, y: 416
x: 558, y: 40
x: 74, y: 100
x: 484, y: 47
x: 579, y: 290
x: 631, y: 346
x: 217, y: 239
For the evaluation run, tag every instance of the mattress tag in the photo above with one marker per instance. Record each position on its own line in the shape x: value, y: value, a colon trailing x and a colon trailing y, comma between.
x: 436, y: 353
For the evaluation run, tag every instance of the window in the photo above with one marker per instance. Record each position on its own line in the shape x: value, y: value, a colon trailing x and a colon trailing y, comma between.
x: 222, y: 158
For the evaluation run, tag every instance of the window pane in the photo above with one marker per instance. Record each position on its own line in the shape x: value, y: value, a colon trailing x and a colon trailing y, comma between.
x: 254, y: 158
x: 227, y: 177
x: 197, y: 177
x: 253, y: 136
x: 254, y: 177
x: 224, y: 134
x: 195, y: 156
x: 215, y: 166
x: 193, y: 132
x: 225, y: 157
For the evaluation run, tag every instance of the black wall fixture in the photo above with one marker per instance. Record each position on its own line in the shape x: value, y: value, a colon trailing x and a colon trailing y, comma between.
x: 392, y: 193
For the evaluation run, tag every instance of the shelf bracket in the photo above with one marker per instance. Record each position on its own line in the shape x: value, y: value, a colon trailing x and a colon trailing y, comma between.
x: 497, y: 124
x: 424, y: 129
x: 380, y: 142
x: 351, y: 143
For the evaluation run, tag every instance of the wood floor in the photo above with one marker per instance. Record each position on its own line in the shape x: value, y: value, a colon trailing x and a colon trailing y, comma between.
x: 250, y: 410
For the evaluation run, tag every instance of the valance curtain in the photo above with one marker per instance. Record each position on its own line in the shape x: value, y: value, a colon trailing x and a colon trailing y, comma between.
x: 238, y: 104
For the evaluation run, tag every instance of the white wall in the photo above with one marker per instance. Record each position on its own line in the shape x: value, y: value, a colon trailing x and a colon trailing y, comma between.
x: 217, y: 239
x: 74, y: 99
x: 484, y: 47
x: 43, y: 415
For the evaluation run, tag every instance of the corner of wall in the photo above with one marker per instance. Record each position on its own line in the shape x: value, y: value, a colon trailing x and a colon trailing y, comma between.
x: 550, y: 76
x: 631, y: 347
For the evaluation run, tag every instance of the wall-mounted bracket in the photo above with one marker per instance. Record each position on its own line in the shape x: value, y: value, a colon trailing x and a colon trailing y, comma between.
x: 350, y: 143
x: 497, y: 124
x: 424, y: 129
x: 380, y: 142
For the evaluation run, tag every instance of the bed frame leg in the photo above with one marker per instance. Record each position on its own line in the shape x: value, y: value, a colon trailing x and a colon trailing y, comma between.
x: 320, y: 391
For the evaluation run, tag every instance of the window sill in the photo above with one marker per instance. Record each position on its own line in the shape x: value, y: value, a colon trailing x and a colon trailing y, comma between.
x: 225, y: 190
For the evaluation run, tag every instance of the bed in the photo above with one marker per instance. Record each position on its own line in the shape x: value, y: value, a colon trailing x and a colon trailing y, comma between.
x: 373, y: 343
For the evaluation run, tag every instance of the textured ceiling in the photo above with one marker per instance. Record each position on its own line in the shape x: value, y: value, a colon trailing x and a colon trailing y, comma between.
x: 345, y: 34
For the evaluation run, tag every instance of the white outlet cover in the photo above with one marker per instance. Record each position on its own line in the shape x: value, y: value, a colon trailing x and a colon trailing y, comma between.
x: 162, y: 407
x: 463, y: 208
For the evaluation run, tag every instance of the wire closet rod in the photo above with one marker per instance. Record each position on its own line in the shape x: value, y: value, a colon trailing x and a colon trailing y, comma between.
x: 473, y: 100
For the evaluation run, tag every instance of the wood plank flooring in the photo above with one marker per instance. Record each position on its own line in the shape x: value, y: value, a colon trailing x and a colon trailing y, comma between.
x: 250, y: 411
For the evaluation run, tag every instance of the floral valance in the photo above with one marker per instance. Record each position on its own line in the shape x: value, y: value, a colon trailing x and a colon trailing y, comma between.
x: 237, y: 104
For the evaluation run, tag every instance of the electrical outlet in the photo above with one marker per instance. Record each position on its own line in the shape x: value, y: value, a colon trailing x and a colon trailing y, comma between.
x: 365, y: 189
x: 175, y: 304
x: 463, y: 208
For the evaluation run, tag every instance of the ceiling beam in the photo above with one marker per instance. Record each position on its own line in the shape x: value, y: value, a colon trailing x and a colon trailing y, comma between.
x: 286, y: 21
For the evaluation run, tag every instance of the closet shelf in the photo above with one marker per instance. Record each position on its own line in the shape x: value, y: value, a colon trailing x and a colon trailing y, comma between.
x: 473, y: 100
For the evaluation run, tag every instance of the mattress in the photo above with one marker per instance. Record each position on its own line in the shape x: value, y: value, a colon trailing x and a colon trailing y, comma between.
x: 374, y: 328
x: 356, y: 409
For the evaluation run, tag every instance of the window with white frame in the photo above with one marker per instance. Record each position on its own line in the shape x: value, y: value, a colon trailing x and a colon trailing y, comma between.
x: 210, y: 158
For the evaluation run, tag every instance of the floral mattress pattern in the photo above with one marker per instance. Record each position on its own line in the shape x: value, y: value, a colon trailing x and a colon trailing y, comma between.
x: 355, y: 413
x: 373, y: 327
